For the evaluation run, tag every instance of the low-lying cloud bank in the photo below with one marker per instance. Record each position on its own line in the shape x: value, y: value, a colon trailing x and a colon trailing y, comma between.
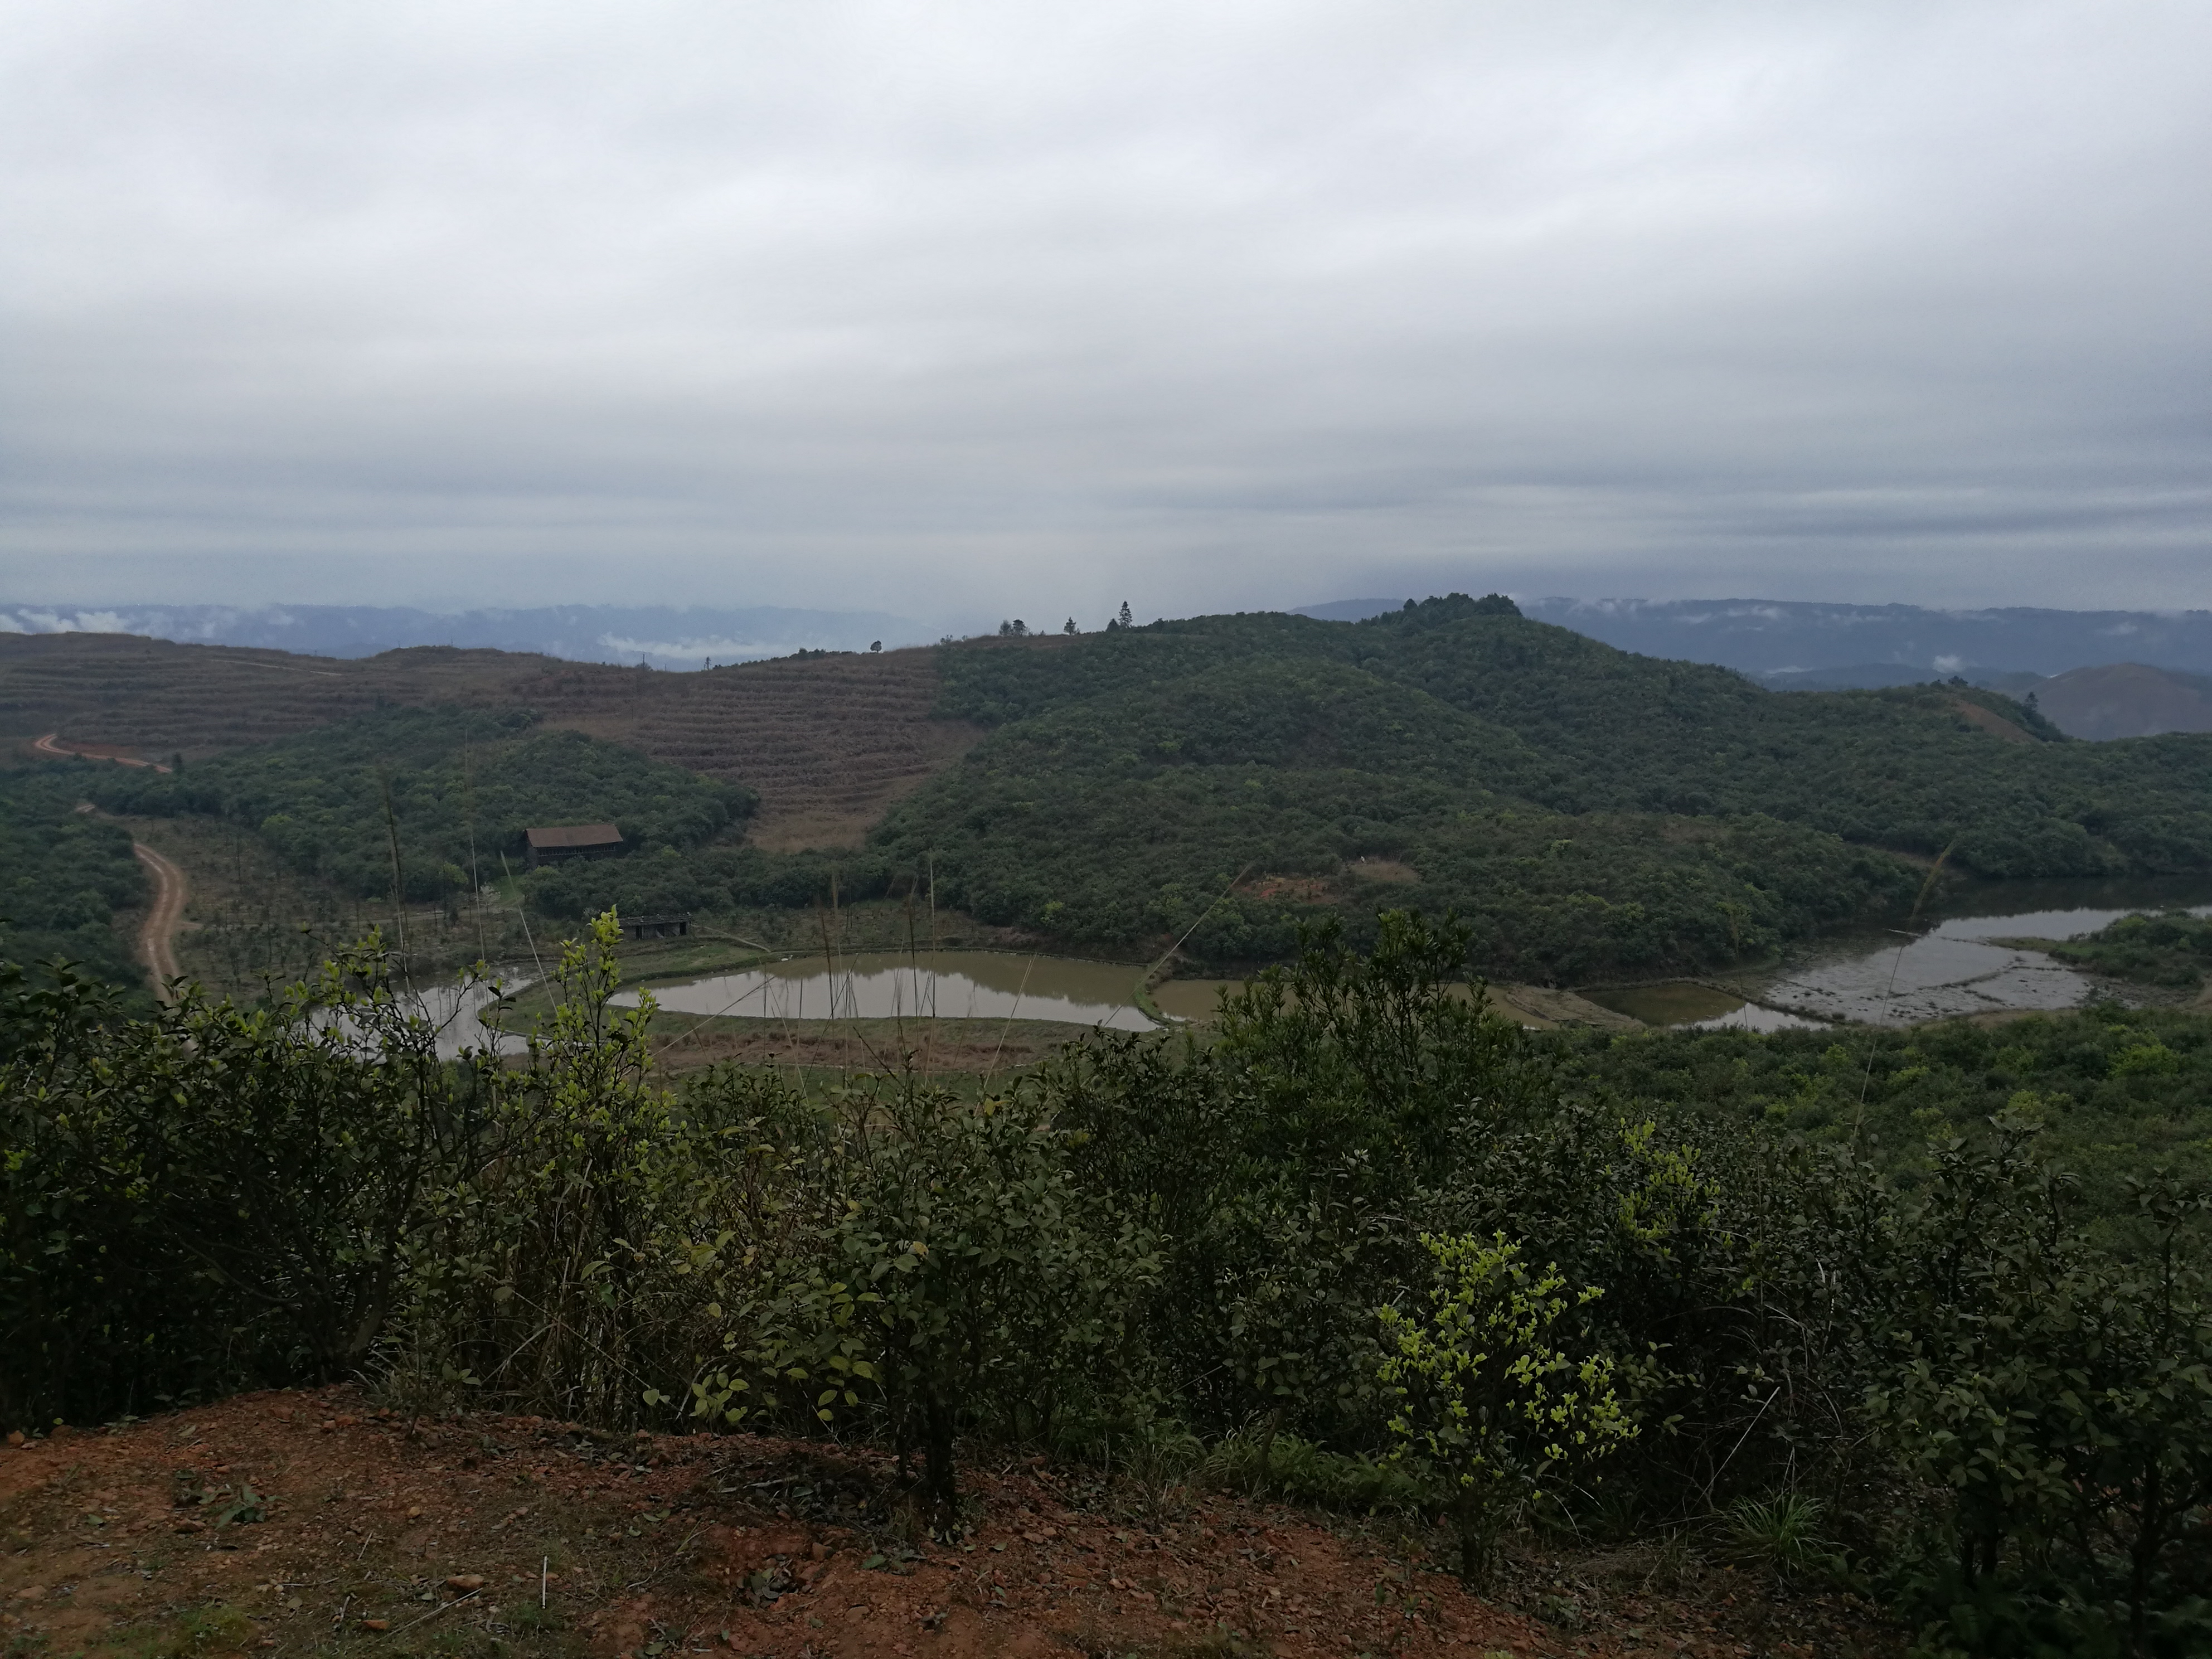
x: 664, y: 636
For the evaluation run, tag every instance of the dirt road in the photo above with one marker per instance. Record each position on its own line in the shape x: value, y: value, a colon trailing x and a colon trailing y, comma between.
x: 52, y: 747
x: 156, y: 937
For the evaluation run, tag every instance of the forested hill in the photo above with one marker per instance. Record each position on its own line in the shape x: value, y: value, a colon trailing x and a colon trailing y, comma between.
x: 1594, y: 811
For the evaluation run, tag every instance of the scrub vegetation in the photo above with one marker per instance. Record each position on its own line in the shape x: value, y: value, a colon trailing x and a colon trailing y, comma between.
x: 1370, y: 1245
x: 1920, y: 1314
x: 1224, y: 781
x: 1590, y: 813
x: 450, y: 787
x: 64, y: 874
x: 2171, y: 950
x: 2114, y: 1091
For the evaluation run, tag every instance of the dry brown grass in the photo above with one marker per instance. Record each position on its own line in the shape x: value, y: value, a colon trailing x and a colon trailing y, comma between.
x: 1990, y: 721
x: 829, y: 742
x: 156, y: 698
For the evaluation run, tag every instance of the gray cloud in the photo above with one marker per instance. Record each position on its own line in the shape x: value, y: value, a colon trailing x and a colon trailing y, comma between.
x: 962, y: 309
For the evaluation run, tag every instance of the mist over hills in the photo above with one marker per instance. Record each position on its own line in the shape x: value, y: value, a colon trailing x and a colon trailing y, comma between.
x: 1811, y: 645
x: 1785, y: 645
x: 665, y: 636
x: 1788, y: 644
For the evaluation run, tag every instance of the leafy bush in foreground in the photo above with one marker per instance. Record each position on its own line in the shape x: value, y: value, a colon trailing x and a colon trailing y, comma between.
x: 1991, y: 1397
x: 1484, y: 1404
x: 216, y: 1199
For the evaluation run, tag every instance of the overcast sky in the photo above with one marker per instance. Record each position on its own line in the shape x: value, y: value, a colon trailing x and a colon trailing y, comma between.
x: 950, y: 307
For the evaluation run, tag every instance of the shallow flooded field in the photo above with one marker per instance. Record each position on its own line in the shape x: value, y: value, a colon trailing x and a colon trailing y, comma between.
x: 1685, y: 1002
x: 1975, y: 956
x: 1975, y: 959
x: 894, y: 985
x: 1973, y: 963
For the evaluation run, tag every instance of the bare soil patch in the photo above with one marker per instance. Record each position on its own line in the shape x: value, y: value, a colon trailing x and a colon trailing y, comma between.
x: 1387, y: 870
x: 1990, y: 721
x: 830, y: 742
x: 296, y: 1523
x: 157, y: 933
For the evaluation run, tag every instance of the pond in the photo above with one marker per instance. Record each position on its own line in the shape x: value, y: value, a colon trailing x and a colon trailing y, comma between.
x: 1194, y: 1000
x: 893, y: 985
x: 456, y: 1013
x: 1970, y: 958
x: 1958, y: 964
x: 1704, y: 1007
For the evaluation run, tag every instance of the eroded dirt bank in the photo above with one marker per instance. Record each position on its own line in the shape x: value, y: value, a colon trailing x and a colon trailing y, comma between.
x: 314, y: 1523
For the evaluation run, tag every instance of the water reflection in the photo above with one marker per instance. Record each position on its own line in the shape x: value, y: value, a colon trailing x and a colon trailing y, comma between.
x: 455, y: 1012
x: 1198, y: 1000
x: 1699, y: 1007
x: 890, y: 985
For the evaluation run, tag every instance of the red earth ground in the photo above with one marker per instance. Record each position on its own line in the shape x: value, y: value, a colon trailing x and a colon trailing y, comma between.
x: 298, y: 1523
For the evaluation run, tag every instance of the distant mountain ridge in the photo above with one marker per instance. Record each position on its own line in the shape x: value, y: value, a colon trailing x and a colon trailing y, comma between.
x: 667, y: 636
x: 2125, y: 700
x: 1809, y: 643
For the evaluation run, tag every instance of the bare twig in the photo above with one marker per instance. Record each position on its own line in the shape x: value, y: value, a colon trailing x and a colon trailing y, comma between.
x: 434, y: 1612
x: 1009, y: 1025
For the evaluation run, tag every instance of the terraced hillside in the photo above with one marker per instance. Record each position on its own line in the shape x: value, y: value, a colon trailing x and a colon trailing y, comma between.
x: 161, y: 698
x: 829, y: 743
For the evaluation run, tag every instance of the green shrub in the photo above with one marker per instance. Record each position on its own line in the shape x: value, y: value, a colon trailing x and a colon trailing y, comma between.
x: 457, y: 788
x: 1988, y: 1380
x: 951, y: 1265
x: 64, y: 874
x: 2056, y: 1391
x: 216, y: 1198
x: 1488, y: 1405
x: 1259, y: 1464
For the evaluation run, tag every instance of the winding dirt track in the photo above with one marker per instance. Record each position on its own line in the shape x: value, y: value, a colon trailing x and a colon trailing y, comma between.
x: 157, y: 935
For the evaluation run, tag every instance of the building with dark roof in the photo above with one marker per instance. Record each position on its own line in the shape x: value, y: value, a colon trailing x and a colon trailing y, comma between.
x: 558, y: 844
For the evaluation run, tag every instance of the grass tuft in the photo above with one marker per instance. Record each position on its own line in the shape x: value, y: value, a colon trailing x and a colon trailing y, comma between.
x: 1298, y: 1471
x: 1782, y: 1535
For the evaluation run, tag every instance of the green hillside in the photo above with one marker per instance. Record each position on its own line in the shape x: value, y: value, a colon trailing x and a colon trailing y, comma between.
x: 1125, y: 816
x: 64, y: 874
x: 1590, y: 813
x: 1591, y: 810
x: 319, y: 798
x: 2120, y: 1092
x: 2171, y: 950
